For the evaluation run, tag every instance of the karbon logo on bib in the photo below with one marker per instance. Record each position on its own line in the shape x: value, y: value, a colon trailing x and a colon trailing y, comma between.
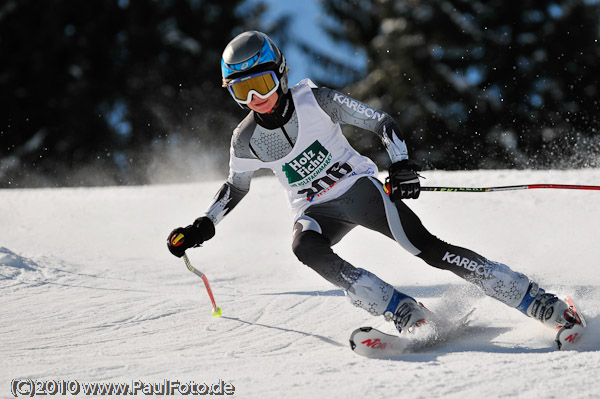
x: 306, y: 166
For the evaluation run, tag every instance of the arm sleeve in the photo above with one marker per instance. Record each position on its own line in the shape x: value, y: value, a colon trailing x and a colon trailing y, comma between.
x: 345, y: 110
x: 242, y: 165
x: 228, y: 196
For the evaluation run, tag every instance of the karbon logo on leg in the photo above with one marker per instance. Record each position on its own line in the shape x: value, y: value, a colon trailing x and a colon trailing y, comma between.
x: 306, y: 166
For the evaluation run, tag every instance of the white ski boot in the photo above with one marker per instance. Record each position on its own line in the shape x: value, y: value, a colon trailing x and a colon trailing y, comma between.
x: 408, y: 315
x: 549, y: 309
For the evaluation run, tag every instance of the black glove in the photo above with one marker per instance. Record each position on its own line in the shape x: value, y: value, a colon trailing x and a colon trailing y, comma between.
x: 403, y: 180
x: 182, y: 238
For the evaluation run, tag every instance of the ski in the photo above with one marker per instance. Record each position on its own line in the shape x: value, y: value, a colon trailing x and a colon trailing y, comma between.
x: 569, y: 334
x: 370, y: 342
x: 373, y: 343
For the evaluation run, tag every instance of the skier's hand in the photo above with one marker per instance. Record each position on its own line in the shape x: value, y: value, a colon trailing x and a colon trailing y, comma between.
x: 403, y: 181
x: 191, y: 236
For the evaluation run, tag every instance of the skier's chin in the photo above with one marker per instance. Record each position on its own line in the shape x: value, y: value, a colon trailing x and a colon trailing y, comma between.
x: 262, y: 108
x: 263, y: 105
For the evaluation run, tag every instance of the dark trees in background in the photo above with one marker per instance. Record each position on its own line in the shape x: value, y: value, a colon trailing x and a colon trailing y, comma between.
x: 91, y: 90
x: 481, y: 83
x: 111, y: 91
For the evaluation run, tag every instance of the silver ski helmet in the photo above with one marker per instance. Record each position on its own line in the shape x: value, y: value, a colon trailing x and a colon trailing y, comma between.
x: 249, y: 53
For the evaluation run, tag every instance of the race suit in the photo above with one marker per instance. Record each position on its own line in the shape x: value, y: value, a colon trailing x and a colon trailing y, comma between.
x: 332, y: 189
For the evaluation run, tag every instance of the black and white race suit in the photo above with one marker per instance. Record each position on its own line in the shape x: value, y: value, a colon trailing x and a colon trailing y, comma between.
x: 332, y: 189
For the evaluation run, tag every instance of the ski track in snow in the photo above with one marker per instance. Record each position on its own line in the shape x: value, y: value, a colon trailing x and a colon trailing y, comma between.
x: 90, y: 292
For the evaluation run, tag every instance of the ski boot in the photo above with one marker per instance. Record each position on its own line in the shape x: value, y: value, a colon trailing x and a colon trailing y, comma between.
x: 548, y: 309
x: 556, y: 313
x: 407, y: 314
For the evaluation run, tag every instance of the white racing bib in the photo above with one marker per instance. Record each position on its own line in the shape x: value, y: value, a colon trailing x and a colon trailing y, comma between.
x: 322, y: 165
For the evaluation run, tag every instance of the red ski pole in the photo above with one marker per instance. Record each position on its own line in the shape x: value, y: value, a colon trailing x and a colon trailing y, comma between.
x: 510, y: 188
x: 216, y: 310
x: 501, y: 188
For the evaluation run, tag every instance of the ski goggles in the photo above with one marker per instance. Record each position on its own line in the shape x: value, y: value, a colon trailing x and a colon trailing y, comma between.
x: 262, y: 84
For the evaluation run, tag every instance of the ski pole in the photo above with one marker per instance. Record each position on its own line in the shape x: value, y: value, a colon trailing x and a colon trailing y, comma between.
x: 216, y: 310
x: 510, y: 188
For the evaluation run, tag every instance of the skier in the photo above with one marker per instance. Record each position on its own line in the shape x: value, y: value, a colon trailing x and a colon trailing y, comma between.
x: 332, y: 189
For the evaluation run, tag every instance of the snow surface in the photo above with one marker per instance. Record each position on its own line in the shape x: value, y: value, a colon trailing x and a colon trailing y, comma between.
x: 89, y: 292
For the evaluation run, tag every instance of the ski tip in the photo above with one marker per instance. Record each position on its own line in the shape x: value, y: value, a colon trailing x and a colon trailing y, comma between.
x: 358, y: 330
x: 372, y: 343
x: 575, y: 309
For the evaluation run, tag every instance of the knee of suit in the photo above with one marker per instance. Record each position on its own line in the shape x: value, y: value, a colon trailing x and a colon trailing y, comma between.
x: 309, y: 246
